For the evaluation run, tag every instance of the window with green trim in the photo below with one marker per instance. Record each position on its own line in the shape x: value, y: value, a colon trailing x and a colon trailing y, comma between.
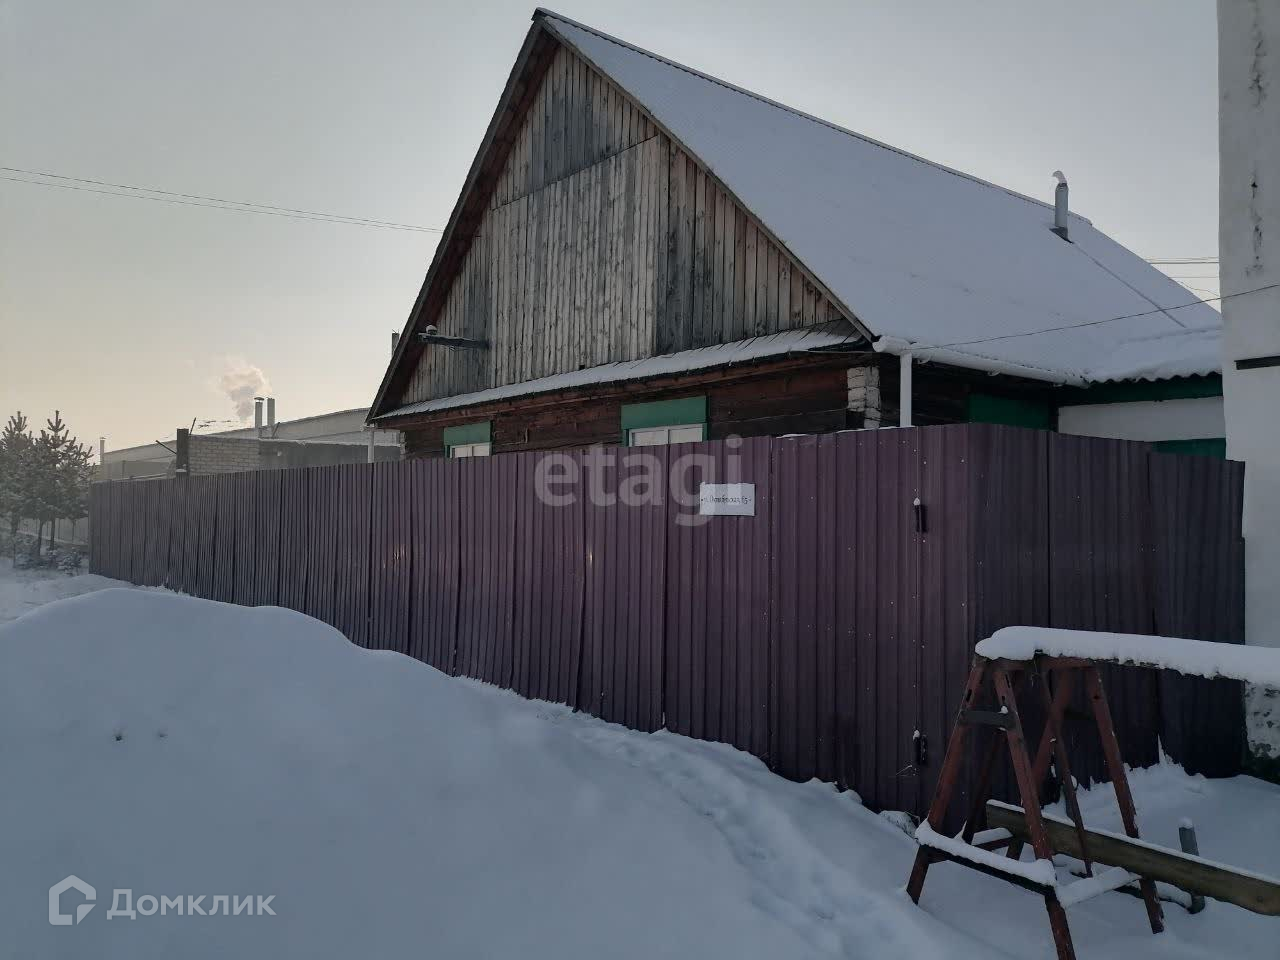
x: 469, y: 440
x: 1202, y: 448
x: 683, y: 420
x: 1013, y: 411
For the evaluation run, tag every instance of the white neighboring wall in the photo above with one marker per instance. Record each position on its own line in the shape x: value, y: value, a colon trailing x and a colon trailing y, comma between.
x: 1200, y: 418
x: 1249, y: 245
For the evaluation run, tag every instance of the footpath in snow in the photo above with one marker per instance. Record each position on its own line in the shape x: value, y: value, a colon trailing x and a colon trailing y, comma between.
x: 179, y: 747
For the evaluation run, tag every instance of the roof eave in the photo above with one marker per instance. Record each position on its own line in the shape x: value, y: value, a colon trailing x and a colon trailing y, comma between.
x: 525, y: 72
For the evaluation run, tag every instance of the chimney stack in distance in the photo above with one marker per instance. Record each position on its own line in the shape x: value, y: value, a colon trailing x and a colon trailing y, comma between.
x: 271, y: 416
x: 257, y: 415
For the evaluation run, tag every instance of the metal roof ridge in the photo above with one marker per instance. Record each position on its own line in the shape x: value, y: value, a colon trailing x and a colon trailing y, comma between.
x: 551, y: 14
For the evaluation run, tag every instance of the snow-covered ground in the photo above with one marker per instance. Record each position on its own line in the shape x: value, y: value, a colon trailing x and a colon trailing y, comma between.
x: 178, y: 747
x: 23, y: 590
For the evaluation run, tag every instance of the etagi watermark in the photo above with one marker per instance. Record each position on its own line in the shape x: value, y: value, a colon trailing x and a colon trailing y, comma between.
x: 122, y: 904
x: 642, y: 477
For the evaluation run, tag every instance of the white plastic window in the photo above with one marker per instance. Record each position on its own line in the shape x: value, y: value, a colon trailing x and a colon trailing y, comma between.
x: 470, y: 450
x: 658, y: 436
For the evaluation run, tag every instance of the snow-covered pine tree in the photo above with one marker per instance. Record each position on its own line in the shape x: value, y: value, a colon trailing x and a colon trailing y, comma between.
x: 16, y: 473
x: 60, y: 488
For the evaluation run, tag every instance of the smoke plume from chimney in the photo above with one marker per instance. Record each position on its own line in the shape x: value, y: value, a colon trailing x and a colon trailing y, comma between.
x: 241, y: 382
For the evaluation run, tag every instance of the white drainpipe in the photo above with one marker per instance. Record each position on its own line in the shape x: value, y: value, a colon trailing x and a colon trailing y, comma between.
x: 904, y: 389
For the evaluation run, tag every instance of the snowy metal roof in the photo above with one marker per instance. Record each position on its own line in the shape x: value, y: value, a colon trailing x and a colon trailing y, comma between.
x: 775, y: 345
x: 928, y: 259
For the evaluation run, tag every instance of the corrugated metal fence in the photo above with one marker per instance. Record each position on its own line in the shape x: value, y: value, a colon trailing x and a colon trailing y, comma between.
x: 829, y: 634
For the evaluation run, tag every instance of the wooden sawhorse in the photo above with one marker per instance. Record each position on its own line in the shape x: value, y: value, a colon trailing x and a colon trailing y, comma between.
x: 990, y: 702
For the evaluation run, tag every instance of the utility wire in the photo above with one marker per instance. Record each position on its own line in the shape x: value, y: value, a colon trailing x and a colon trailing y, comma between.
x: 1092, y: 323
x: 107, y: 188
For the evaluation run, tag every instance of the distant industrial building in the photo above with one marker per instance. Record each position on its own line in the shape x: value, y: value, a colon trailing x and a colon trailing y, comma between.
x: 328, y: 438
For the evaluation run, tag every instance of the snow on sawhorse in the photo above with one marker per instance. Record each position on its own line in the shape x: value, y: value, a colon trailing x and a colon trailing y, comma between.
x: 1013, y: 661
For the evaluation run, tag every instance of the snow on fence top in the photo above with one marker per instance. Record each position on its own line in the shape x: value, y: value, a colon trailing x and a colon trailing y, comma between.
x: 1195, y: 658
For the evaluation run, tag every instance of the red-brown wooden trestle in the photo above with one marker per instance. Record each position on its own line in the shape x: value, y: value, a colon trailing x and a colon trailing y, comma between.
x: 1001, y: 681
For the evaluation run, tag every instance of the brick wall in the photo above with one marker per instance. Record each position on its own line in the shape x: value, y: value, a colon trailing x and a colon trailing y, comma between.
x: 210, y: 454
x: 222, y: 455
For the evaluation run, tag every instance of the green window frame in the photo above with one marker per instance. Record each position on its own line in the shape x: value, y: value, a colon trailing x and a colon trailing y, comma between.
x: 1202, y: 448
x: 680, y: 412
x: 1012, y: 411
x: 468, y: 435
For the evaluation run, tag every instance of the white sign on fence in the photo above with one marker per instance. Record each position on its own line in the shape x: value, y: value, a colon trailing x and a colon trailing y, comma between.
x: 727, y: 500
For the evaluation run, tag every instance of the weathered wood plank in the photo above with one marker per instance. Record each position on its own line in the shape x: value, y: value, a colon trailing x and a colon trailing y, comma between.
x: 716, y: 324
x: 766, y: 273
x: 701, y: 283
x: 1193, y: 874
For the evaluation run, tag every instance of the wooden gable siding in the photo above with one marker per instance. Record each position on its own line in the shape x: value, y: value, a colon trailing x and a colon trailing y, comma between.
x: 603, y: 241
x: 577, y: 119
x: 726, y: 280
x: 445, y: 372
x: 574, y: 268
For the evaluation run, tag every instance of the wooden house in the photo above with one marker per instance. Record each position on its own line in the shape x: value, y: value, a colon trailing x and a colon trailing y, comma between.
x: 642, y: 253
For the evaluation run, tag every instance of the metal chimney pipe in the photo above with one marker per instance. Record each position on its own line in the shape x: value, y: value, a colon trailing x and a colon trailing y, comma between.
x: 102, y: 451
x: 395, y: 340
x: 271, y: 416
x: 257, y: 415
x: 1060, y: 206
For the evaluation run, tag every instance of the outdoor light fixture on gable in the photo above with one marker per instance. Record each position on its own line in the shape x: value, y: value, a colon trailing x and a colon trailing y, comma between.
x: 432, y: 335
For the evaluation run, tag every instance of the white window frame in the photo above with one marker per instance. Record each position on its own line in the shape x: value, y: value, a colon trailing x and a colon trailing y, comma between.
x: 461, y: 450
x: 662, y: 436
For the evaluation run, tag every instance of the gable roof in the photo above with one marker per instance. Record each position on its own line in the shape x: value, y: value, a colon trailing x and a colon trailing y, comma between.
x: 924, y: 258
x: 927, y: 258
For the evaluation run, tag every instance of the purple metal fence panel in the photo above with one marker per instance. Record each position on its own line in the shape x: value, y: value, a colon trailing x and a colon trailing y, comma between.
x: 945, y: 534
x: 184, y: 540
x: 160, y: 536
x: 715, y: 657
x: 435, y: 543
x: 830, y: 633
x: 243, y: 488
x: 323, y: 507
x: 142, y: 510
x: 893, y: 484
x: 1199, y: 556
x: 225, y: 524
x: 266, y: 491
x: 352, y: 490
x: 1009, y: 571
x: 487, y: 490
x: 802, y: 621
x: 117, y: 563
x: 550, y: 564
x: 393, y: 527
x: 624, y: 590
x: 203, y: 491
x: 136, y: 519
x: 294, y: 558
x: 1101, y: 571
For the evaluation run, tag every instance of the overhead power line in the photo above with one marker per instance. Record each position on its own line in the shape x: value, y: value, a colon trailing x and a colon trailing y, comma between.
x: 107, y: 188
x: 1094, y: 323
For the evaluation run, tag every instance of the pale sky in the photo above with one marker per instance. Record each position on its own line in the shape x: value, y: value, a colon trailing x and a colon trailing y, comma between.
x: 125, y: 313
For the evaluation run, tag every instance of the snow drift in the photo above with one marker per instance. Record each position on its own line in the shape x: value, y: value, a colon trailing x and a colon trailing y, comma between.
x: 178, y: 747
x: 174, y: 746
